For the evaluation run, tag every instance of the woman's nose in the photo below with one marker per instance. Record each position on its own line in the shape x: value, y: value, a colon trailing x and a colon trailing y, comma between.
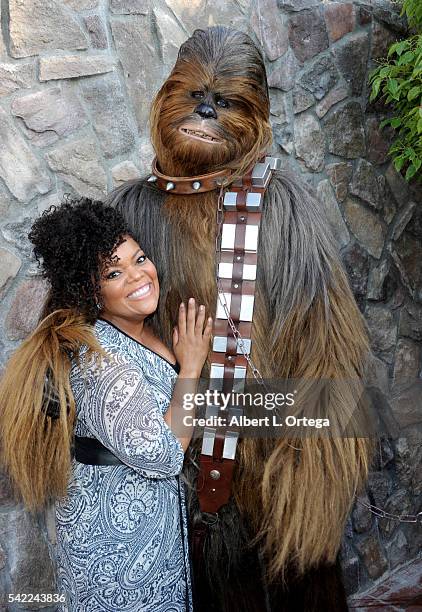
x: 135, y: 273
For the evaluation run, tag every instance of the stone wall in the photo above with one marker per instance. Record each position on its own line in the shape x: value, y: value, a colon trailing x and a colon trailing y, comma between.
x: 76, y: 81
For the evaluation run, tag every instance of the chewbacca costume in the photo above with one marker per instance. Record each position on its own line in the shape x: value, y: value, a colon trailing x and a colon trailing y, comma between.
x: 275, y: 544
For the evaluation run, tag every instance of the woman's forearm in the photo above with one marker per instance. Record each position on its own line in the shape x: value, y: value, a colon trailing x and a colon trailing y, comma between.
x: 175, y: 417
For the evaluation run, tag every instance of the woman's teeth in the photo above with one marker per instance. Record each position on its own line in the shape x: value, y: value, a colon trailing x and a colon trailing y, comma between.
x: 140, y: 292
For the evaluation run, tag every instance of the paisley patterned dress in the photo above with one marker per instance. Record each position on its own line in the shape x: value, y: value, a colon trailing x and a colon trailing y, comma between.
x: 122, y: 529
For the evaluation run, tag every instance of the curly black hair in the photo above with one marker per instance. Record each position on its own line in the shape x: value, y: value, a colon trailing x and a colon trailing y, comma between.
x: 72, y: 243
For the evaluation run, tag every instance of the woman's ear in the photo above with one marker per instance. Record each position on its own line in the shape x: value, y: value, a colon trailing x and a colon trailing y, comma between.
x: 99, y: 304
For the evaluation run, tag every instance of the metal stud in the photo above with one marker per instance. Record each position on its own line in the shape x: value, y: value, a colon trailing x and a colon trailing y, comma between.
x: 215, y: 474
x: 152, y: 178
x: 238, y: 258
x: 236, y: 286
x: 242, y: 219
x: 169, y: 186
x: 196, y: 185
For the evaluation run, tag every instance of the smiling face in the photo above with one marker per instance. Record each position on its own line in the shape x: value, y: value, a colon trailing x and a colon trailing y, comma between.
x: 129, y: 285
x: 195, y: 126
x: 213, y: 109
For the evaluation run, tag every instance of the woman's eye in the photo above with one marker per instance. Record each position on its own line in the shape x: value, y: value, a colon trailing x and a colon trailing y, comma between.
x: 141, y: 258
x: 112, y: 275
x: 197, y: 95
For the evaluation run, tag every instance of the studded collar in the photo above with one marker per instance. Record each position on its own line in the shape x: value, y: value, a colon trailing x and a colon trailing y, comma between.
x: 187, y: 184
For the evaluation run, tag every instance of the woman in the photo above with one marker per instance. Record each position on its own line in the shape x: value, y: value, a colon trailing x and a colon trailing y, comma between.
x: 94, y: 368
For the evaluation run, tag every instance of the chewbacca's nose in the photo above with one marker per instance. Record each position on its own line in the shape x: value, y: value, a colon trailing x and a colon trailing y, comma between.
x: 206, y: 111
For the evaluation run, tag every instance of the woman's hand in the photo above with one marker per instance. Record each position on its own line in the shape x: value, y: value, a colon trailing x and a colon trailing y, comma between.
x: 191, y: 343
x: 191, y: 340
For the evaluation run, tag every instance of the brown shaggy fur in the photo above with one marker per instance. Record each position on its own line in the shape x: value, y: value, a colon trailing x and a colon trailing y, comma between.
x: 36, y: 449
x: 297, y: 499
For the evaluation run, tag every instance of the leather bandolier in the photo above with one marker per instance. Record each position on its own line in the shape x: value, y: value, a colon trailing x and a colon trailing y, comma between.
x: 236, y: 253
x: 238, y: 220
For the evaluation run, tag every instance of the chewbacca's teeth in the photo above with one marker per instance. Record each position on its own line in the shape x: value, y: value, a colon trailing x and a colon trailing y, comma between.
x: 200, y: 134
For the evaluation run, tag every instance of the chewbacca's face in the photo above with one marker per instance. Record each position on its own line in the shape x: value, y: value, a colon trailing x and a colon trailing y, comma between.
x: 208, y: 113
x: 204, y: 124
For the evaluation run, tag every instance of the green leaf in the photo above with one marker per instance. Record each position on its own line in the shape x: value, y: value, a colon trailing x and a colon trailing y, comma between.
x: 398, y: 163
x: 375, y: 89
x: 401, y: 46
x: 410, y: 172
x: 417, y: 163
x: 413, y: 93
x: 406, y: 58
x: 419, y: 126
x: 412, y: 132
x: 393, y: 87
x: 385, y: 71
x: 396, y: 122
x: 392, y: 49
x: 374, y: 73
x: 395, y: 148
x: 385, y: 122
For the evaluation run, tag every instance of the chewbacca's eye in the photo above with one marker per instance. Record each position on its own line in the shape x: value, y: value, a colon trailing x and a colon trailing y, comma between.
x: 198, y: 95
x: 222, y: 102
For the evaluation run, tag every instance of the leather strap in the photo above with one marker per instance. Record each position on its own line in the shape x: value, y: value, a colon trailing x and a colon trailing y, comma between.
x: 213, y: 494
x: 186, y: 185
x: 90, y: 451
x: 242, y: 215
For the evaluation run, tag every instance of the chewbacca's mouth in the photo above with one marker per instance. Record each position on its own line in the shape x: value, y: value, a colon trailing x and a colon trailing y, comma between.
x: 200, y: 135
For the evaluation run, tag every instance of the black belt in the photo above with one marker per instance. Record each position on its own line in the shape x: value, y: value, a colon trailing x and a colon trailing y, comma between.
x: 91, y: 452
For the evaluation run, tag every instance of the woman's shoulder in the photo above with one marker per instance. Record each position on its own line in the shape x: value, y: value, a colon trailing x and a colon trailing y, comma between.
x: 106, y: 333
x: 113, y: 340
x: 121, y: 347
x: 91, y: 366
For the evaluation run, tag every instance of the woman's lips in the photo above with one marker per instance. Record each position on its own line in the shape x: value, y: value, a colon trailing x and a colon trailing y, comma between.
x: 141, y: 292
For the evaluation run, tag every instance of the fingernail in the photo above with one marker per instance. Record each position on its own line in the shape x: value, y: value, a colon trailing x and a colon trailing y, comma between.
x: 191, y: 300
x: 201, y: 307
x: 182, y: 305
